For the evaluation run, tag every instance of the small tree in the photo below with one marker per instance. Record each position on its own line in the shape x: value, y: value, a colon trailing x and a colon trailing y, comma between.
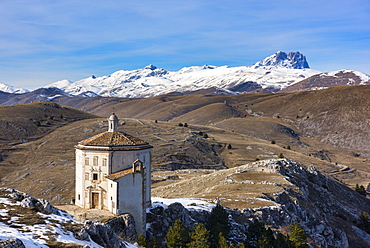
x: 229, y: 146
x: 281, y: 155
x: 181, y: 125
x: 222, y: 243
x: 199, y: 237
x: 218, y: 222
x: 364, y: 222
x: 141, y: 240
x: 205, y: 136
x: 360, y: 189
x: 177, y: 235
x: 273, y: 142
x: 297, y: 235
x: 186, y: 124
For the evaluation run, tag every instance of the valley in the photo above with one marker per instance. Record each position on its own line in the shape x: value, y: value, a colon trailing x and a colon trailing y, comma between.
x: 212, y: 148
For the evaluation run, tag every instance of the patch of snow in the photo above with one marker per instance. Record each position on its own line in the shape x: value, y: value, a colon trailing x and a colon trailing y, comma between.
x: 186, y: 202
x: 53, y: 97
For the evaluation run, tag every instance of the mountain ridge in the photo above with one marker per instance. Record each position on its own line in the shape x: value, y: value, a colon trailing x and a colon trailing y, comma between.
x: 280, y: 72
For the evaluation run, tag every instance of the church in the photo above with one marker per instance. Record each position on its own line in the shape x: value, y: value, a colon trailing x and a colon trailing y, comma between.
x: 113, y: 172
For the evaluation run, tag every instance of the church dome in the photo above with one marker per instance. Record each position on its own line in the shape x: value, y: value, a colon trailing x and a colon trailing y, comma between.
x: 113, y: 139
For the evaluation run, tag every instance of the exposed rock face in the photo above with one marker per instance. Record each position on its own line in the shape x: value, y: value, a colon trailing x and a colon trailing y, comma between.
x: 12, y: 243
x: 102, y: 234
x: 161, y: 217
x: 27, y: 201
x: 292, y: 60
x: 325, y: 208
x: 124, y: 227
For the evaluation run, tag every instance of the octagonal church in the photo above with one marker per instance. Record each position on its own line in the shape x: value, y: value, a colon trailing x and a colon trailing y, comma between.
x: 113, y: 172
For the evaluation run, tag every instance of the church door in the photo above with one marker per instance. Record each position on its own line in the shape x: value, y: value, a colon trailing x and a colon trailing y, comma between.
x: 95, y: 200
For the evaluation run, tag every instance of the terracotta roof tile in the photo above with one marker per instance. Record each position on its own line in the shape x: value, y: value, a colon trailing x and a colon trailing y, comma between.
x: 122, y: 173
x: 112, y: 139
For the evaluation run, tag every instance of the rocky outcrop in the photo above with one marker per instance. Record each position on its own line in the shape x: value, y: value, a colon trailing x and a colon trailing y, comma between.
x: 160, y: 217
x: 27, y: 201
x: 124, y: 227
x: 12, y: 243
x: 324, y: 207
x: 101, y: 234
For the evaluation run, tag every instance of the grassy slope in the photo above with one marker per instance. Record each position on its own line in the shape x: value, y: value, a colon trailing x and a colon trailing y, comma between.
x: 248, y: 122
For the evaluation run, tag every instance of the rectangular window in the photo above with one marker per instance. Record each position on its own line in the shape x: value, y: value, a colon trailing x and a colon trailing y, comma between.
x: 95, y: 176
x: 104, y: 162
x: 79, y: 197
x: 95, y: 161
x: 86, y: 161
x: 86, y: 176
x: 104, y: 177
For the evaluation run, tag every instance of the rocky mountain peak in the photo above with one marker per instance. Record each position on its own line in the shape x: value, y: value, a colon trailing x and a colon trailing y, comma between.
x: 150, y: 67
x: 291, y: 60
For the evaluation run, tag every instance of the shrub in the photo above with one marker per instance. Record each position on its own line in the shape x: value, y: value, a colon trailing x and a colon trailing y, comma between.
x: 186, y: 124
x: 181, y: 125
x: 281, y: 155
x: 273, y: 142
x: 229, y: 146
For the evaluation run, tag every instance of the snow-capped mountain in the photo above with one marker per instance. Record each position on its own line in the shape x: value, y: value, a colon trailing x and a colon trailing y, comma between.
x: 280, y: 71
x: 12, y: 89
x: 274, y: 73
x: 292, y: 60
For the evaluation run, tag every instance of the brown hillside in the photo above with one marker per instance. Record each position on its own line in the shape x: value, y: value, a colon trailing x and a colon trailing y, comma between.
x: 19, y: 123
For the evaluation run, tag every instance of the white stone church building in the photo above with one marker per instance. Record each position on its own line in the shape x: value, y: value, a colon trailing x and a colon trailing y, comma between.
x: 113, y: 172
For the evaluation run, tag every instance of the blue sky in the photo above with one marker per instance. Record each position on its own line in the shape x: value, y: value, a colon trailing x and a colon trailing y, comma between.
x: 43, y: 41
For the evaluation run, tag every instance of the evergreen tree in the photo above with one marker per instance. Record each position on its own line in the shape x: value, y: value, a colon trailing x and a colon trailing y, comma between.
x: 364, y: 222
x: 263, y: 242
x: 255, y: 231
x: 153, y: 243
x: 218, y: 222
x: 360, y: 189
x: 199, y: 237
x: 282, y: 241
x: 229, y: 146
x: 297, y: 235
x: 222, y: 243
x: 141, y: 240
x: 177, y: 235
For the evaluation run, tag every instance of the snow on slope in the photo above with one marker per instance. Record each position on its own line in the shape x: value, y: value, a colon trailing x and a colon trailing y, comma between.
x: 12, y: 89
x: 152, y: 81
x: 274, y: 73
x: 362, y: 76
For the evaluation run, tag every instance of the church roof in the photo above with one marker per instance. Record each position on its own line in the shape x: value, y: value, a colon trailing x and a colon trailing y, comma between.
x: 112, y: 139
x: 122, y: 173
